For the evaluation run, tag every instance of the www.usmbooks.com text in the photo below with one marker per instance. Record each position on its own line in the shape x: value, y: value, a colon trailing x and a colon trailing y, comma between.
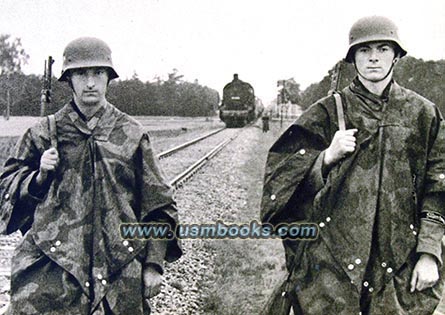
x: 220, y: 230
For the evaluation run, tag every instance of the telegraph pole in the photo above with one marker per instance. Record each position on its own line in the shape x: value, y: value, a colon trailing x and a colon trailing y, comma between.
x: 281, y: 98
x: 8, y: 105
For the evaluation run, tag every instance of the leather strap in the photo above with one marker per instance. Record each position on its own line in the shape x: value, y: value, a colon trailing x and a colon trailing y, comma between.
x: 340, y: 113
x: 52, y: 130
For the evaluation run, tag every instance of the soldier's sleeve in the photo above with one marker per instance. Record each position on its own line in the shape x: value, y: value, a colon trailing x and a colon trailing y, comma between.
x: 432, y: 216
x: 316, y: 178
x: 157, y: 203
x: 156, y: 250
x: 293, y: 167
x: 17, y: 203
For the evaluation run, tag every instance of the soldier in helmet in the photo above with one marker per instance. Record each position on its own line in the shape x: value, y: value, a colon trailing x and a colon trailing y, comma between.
x: 376, y: 190
x: 72, y: 181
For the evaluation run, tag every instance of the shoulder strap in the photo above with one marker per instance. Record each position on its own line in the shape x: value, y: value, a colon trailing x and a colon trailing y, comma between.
x: 340, y: 113
x: 52, y: 130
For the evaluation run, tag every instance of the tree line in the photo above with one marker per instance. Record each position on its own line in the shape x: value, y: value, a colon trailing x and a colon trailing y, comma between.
x: 170, y: 97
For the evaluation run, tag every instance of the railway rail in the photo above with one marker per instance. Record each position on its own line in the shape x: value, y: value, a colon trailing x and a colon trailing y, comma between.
x: 178, y: 180
x: 173, y: 150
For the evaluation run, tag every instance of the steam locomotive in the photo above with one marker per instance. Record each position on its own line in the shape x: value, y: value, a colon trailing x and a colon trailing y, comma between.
x: 239, y: 105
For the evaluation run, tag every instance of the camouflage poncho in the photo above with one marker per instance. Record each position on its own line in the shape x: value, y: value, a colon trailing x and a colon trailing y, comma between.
x: 73, y: 260
x: 376, y: 210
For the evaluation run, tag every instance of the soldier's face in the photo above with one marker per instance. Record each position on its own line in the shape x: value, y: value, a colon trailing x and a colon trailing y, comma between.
x: 374, y: 60
x: 89, y: 85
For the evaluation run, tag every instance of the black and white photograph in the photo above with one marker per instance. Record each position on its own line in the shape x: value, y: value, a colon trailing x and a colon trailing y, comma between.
x: 176, y: 157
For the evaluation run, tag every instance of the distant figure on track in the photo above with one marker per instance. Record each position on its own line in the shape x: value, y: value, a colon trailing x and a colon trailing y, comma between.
x: 91, y: 171
x: 265, y: 119
x: 376, y: 190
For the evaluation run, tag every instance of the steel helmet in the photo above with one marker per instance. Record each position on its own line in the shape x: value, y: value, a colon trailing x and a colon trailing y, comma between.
x: 371, y: 29
x: 86, y: 52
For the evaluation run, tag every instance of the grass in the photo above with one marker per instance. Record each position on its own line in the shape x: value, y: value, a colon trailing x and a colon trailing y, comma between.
x: 246, y: 271
x: 245, y: 276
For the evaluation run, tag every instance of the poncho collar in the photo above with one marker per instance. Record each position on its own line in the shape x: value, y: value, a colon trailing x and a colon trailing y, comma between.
x: 99, y: 125
x: 375, y: 101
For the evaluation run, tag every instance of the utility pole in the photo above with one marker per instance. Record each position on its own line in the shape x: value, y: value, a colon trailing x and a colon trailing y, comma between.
x: 8, y: 105
x: 281, y: 98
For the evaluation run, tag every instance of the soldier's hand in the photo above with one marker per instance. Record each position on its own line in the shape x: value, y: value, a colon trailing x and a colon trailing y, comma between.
x: 344, y: 142
x: 152, y: 282
x: 48, y: 163
x: 425, y: 273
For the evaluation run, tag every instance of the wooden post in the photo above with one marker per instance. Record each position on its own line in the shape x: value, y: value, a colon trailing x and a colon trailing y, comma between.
x: 8, y: 105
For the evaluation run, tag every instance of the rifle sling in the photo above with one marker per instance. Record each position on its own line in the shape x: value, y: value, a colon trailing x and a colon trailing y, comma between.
x: 340, y: 113
x: 52, y: 130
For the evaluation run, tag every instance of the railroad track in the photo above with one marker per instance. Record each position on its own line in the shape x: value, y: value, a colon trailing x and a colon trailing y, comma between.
x: 180, y: 147
x: 181, y: 178
x: 178, y: 180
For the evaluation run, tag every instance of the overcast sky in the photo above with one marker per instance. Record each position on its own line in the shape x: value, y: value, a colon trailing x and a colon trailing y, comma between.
x: 209, y: 40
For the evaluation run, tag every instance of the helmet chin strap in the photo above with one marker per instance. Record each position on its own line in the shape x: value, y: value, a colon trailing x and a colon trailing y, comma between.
x: 378, y: 80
